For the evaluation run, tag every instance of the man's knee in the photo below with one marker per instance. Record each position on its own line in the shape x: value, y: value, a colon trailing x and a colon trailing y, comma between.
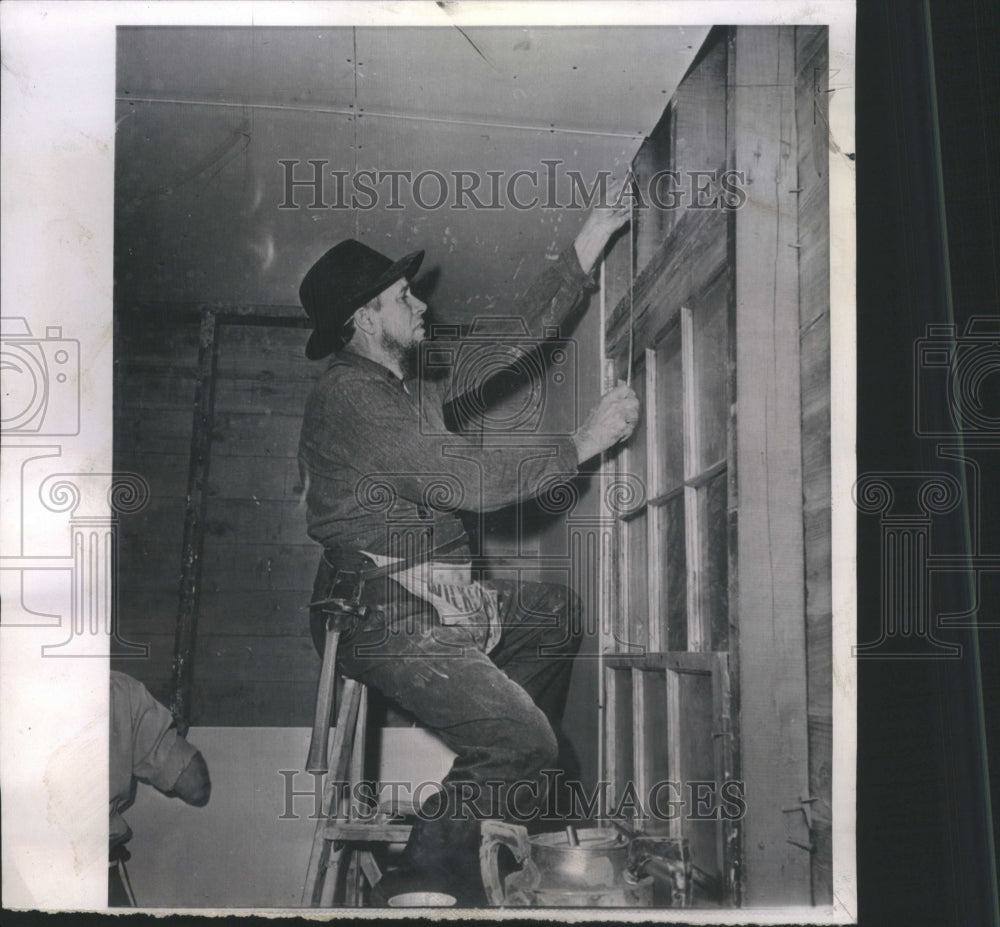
x: 532, y: 745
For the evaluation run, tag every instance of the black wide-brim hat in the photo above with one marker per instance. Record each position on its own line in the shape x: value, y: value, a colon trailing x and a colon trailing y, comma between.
x: 349, y: 275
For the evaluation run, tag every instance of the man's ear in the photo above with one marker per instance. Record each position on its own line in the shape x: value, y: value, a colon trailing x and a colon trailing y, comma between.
x: 364, y: 318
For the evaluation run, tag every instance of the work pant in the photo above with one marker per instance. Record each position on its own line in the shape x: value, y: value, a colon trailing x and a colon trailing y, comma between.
x: 498, y: 713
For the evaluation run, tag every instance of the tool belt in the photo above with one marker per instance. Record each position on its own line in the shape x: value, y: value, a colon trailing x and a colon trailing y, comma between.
x: 342, y: 603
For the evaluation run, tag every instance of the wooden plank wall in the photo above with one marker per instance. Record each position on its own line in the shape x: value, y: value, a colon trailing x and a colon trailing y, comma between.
x: 811, y: 96
x: 774, y: 742
x: 156, y: 369
x: 253, y: 661
x: 690, y: 137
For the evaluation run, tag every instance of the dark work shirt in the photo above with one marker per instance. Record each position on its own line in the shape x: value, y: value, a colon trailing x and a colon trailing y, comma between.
x: 384, y: 472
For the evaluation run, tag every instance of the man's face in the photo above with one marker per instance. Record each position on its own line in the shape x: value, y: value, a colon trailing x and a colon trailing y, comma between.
x: 401, y: 319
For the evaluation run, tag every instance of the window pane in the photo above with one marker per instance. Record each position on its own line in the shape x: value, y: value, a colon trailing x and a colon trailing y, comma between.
x: 670, y: 411
x: 715, y: 550
x: 635, y: 448
x: 697, y: 749
x: 673, y: 588
x: 619, y: 614
x: 638, y: 595
x: 656, y: 759
x: 711, y: 352
x: 622, y: 746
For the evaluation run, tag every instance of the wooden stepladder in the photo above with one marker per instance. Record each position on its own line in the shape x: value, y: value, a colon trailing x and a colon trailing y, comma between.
x: 342, y: 862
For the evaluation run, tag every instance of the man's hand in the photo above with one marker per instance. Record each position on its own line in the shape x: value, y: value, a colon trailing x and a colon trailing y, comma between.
x: 194, y: 785
x: 610, y: 421
x: 601, y: 224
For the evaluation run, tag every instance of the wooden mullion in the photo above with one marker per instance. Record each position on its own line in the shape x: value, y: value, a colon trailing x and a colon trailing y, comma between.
x: 656, y: 579
x: 614, y: 747
x: 702, y: 478
x: 607, y: 763
x: 682, y: 661
x: 696, y: 636
x: 639, y: 751
x: 624, y: 593
x: 675, y: 768
x: 662, y: 499
x: 632, y: 514
x: 653, y: 480
x: 692, y: 443
x: 696, y: 632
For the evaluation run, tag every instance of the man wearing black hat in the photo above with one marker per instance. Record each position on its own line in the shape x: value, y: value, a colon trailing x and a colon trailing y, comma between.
x: 485, y: 665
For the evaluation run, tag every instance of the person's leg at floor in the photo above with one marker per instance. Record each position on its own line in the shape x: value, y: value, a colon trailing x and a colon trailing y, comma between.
x: 119, y: 893
x: 490, y: 721
x: 487, y: 716
x: 542, y: 631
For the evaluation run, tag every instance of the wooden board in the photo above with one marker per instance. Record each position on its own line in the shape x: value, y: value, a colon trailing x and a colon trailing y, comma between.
x: 774, y: 748
x: 687, y: 262
x: 253, y: 659
x: 811, y: 96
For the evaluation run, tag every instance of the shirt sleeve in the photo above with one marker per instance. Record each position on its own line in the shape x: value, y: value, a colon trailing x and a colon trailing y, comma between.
x: 159, y: 753
x: 438, y: 469
x: 552, y: 304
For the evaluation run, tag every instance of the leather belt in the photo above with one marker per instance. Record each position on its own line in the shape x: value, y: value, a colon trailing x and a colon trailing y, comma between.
x: 351, y: 583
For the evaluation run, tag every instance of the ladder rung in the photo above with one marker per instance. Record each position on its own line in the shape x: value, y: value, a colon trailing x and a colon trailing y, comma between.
x: 399, y: 808
x: 364, y: 832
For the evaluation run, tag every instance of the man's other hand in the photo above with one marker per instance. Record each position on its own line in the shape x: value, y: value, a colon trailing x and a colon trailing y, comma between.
x: 604, y: 220
x: 612, y: 420
x: 193, y: 785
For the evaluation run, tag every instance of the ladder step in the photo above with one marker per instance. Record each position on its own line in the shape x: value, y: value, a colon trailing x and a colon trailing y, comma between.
x: 367, y: 833
x: 399, y: 808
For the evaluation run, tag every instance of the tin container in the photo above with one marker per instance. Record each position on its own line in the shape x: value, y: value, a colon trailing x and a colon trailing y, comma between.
x: 559, y: 868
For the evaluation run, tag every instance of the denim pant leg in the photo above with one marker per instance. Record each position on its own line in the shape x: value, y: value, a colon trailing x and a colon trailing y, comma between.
x: 497, y: 717
x: 542, y: 628
x: 542, y: 632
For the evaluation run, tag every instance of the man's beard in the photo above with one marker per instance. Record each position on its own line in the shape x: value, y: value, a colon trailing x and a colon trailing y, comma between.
x: 406, y: 355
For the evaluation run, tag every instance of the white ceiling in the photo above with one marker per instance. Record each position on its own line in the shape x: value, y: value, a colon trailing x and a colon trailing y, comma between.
x: 206, y: 114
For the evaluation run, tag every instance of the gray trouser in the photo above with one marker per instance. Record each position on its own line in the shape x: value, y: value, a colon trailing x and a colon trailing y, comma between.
x: 498, y: 713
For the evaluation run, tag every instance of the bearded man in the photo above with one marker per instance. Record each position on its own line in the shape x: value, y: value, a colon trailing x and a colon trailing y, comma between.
x: 484, y: 665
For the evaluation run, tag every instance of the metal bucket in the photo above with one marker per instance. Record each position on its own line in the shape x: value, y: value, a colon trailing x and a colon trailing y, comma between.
x: 586, y: 868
